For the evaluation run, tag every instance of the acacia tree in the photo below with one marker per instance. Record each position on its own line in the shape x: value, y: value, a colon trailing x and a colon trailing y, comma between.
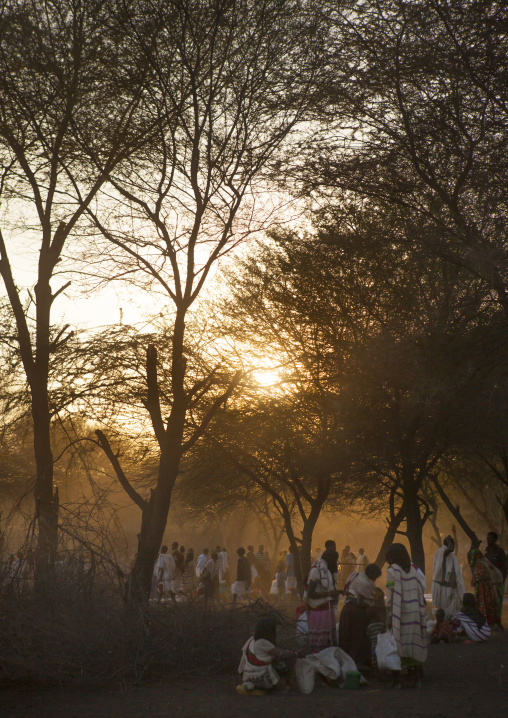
x: 286, y: 449
x: 216, y: 491
x: 424, y: 86
x: 395, y: 344
x: 62, y: 86
x: 225, y: 95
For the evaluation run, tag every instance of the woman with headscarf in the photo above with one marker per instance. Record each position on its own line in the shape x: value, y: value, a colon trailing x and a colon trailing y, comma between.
x: 485, y: 578
x: 447, y: 582
x: 471, y: 622
x: 361, y: 593
x: 258, y: 655
x: 319, y: 596
x: 406, y: 610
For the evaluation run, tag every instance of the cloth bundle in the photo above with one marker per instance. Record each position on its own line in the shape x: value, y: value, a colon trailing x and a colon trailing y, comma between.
x: 333, y: 663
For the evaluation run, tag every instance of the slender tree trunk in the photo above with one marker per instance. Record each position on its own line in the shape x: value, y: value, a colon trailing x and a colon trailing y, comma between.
x: 414, y: 526
x: 391, y: 532
x: 456, y: 513
x: 46, y: 498
x: 306, y: 548
x: 316, y: 506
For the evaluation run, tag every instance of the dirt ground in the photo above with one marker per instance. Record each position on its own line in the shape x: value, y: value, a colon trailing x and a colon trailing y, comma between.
x: 461, y: 680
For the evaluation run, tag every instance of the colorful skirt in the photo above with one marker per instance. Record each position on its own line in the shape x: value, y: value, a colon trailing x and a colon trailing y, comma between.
x: 487, y: 601
x: 321, y: 622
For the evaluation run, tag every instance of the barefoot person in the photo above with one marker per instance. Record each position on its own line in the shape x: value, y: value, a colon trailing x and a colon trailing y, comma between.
x: 406, y: 610
x: 447, y: 582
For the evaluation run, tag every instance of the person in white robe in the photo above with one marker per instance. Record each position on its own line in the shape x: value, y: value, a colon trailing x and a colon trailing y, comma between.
x: 166, y: 573
x: 447, y: 583
x: 201, y: 562
x: 258, y: 655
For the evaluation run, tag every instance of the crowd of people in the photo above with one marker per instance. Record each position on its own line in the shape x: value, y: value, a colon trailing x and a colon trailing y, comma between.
x: 399, y: 613
x: 178, y: 575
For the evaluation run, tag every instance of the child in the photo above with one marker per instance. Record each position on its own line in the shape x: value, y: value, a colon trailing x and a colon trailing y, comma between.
x: 259, y: 653
x: 376, y: 617
x: 442, y: 631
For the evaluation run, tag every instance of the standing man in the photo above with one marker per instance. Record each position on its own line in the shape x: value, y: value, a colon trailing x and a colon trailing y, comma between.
x: 447, y: 582
x: 497, y: 556
x: 166, y: 573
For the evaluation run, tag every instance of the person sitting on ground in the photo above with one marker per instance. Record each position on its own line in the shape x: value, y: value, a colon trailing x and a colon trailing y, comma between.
x: 442, y: 630
x: 258, y: 656
x: 470, y: 622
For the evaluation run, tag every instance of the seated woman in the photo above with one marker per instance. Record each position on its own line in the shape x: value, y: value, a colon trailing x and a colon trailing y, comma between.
x: 259, y: 654
x: 471, y: 622
x: 361, y: 593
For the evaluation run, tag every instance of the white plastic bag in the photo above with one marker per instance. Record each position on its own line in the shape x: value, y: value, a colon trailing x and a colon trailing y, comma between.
x: 386, y: 652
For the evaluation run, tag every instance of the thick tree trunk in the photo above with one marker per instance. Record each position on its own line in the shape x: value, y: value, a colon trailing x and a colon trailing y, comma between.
x: 155, y: 515
x: 154, y: 520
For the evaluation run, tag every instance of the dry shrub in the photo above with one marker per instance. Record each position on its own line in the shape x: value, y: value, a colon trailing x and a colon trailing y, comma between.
x: 99, y: 639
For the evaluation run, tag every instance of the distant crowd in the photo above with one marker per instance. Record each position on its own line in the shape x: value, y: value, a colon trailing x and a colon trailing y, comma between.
x: 178, y: 575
